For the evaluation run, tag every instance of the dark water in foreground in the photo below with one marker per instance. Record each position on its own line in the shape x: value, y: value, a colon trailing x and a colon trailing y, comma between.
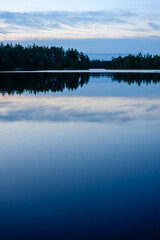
x: 80, y: 156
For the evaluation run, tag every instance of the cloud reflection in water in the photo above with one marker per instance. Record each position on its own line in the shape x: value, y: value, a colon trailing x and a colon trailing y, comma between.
x: 78, y: 109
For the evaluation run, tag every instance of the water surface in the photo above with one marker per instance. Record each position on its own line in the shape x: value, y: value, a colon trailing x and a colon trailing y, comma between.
x: 80, y: 156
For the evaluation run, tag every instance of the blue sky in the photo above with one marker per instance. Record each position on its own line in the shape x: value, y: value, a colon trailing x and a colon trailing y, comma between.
x: 95, y: 26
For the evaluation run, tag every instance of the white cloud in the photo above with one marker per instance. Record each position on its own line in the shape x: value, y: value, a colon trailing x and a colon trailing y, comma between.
x: 84, y: 25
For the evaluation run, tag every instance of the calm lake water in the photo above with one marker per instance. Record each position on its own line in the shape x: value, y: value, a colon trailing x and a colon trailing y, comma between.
x: 80, y: 156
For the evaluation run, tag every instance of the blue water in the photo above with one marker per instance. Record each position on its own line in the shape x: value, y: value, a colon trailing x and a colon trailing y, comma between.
x: 81, y: 163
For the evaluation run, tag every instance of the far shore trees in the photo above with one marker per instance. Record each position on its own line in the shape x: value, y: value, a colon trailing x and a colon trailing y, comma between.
x: 134, y: 62
x: 40, y: 58
x: 31, y: 58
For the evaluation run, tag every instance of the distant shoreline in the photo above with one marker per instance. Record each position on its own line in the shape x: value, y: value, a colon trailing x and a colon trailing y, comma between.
x: 40, y: 59
x: 86, y: 71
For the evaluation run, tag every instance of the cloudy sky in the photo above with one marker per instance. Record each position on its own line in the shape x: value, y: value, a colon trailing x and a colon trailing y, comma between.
x: 95, y: 26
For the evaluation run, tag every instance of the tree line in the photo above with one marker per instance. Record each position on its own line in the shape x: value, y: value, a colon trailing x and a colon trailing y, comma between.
x: 40, y: 58
x: 134, y: 62
x: 129, y: 62
x: 34, y: 57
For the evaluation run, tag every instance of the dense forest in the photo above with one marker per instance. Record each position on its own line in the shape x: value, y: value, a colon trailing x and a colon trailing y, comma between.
x: 134, y: 62
x: 17, y: 57
x: 98, y: 64
x: 129, y: 62
x: 37, y: 58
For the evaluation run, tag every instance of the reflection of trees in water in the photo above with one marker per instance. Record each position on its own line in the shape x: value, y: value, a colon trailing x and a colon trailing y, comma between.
x: 41, y: 82
x: 58, y: 82
x: 131, y: 78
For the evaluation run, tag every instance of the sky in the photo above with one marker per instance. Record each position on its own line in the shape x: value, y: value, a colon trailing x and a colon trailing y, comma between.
x: 91, y: 26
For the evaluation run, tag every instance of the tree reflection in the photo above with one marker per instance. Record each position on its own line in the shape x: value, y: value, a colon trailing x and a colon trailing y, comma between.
x: 131, y: 78
x: 136, y: 78
x: 41, y: 82
x: 18, y: 83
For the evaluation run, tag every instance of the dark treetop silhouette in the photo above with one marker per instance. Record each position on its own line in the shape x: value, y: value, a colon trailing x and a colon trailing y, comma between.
x: 37, y: 58
x: 129, y: 62
x: 16, y: 58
